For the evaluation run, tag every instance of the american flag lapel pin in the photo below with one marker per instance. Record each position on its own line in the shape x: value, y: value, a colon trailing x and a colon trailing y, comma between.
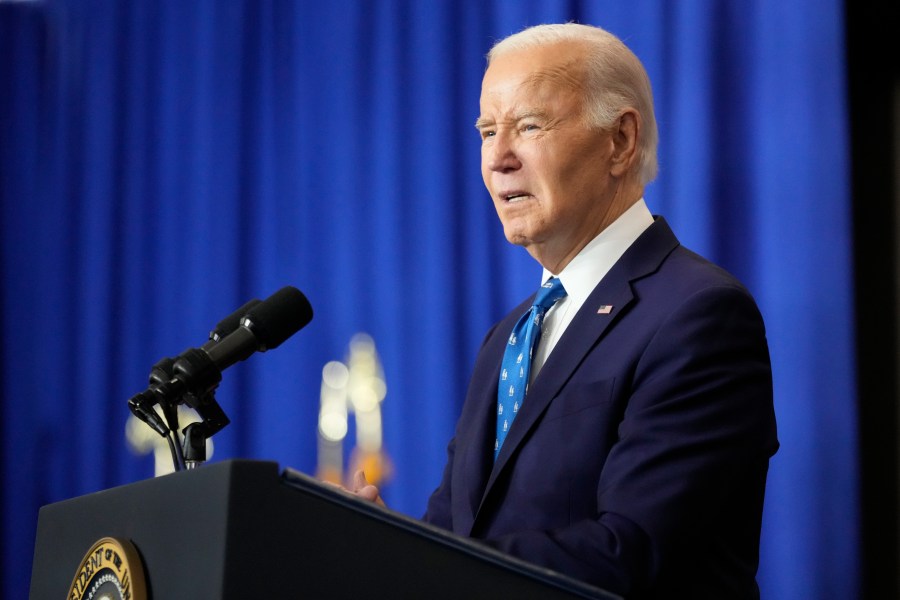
x: 604, y: 309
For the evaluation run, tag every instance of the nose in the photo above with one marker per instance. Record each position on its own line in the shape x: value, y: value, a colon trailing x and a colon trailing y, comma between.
x: 498, y: 153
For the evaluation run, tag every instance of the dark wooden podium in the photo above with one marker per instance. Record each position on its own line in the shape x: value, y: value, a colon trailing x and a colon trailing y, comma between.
x: 241, y: 529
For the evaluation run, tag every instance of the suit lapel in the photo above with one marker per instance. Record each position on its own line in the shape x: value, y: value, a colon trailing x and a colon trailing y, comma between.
x: 612, y: 296
x: 478, y: 455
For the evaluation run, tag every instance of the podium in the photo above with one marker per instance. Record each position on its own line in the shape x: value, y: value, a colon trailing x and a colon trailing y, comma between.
x: 242, y: 529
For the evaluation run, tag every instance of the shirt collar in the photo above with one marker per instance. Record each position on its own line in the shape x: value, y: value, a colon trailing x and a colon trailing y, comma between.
x: 589, y: 266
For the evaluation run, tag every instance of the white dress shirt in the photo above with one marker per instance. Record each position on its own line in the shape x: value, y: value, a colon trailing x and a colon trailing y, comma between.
x: 584, y: 272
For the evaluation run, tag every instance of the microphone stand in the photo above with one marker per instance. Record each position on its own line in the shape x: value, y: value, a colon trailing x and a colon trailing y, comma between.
x: 142, y: 406
x: 161, y: 373
x: 193, y: 376
x: 193, y: 451
x: 196, y: 434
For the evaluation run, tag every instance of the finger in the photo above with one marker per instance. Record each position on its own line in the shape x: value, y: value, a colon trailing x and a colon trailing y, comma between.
x: 366, y: 490
x: 359, y: 480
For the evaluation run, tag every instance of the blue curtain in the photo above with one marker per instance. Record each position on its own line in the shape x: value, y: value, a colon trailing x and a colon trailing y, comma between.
x: 163, y: 162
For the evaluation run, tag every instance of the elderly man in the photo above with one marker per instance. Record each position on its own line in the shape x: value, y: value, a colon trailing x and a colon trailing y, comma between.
x: 618, y: 426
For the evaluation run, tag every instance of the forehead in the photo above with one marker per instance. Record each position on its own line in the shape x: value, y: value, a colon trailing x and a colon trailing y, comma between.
x: 535, y: 72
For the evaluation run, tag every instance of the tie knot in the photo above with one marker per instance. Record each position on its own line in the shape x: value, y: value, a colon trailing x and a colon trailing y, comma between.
x: 549, y: 293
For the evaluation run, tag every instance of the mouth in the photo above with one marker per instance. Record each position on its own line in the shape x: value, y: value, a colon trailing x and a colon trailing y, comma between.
x: 515, y: 196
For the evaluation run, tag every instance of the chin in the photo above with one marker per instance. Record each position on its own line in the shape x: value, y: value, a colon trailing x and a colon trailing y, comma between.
x: 517, y: 238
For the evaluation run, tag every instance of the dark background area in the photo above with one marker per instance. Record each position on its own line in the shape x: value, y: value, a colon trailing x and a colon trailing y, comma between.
x: 874, y: 77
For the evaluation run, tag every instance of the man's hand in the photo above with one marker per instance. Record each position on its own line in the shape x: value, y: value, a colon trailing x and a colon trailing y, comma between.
x: 364, y: 489
x: 361, y: 488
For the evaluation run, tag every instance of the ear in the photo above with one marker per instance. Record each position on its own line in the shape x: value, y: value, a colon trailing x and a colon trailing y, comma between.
x: 625, y: 143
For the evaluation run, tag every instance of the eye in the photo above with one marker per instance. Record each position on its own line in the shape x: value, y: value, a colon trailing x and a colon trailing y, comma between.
x: 530, y: 127
x: 487, y: 133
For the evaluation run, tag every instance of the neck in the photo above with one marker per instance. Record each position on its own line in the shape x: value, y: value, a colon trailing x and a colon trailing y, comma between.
x: 555, y: 256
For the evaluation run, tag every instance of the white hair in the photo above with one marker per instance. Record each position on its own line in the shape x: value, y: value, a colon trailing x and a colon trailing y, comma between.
x: 616, y: 80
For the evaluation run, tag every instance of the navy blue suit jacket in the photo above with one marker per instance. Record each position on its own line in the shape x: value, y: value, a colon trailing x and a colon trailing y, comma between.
x: 638, y: 459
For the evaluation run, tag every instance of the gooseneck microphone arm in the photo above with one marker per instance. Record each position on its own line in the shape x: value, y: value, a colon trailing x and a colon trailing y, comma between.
x: 193, y: 376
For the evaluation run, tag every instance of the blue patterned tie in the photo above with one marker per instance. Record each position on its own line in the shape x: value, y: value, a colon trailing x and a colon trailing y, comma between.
x: 516, y: 365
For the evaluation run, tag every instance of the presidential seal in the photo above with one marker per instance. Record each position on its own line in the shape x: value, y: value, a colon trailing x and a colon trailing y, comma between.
x: 111, y: 570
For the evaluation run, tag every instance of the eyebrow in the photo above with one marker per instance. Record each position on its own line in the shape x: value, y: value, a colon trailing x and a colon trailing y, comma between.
x: 482, y: 122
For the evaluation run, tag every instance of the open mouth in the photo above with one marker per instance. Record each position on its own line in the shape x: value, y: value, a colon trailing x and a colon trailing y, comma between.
x: 515, y: 196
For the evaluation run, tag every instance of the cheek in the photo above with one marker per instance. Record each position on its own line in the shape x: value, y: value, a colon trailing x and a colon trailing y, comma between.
x: 552, y: 169
x: 579, y: 179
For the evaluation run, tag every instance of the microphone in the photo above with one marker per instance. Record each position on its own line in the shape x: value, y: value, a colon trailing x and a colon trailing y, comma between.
x: 162, y: 371
x: 229, y: 324
x: 264, y: 327
x: 198, y: 371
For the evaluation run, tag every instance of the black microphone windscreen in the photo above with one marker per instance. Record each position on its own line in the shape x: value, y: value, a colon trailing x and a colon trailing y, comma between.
x: 280, y: 316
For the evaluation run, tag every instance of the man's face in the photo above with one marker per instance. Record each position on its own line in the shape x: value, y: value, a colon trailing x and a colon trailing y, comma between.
x: 545, y: 168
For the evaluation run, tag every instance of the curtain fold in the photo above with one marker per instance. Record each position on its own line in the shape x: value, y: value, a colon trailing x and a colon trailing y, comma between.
x: 163, y: 162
